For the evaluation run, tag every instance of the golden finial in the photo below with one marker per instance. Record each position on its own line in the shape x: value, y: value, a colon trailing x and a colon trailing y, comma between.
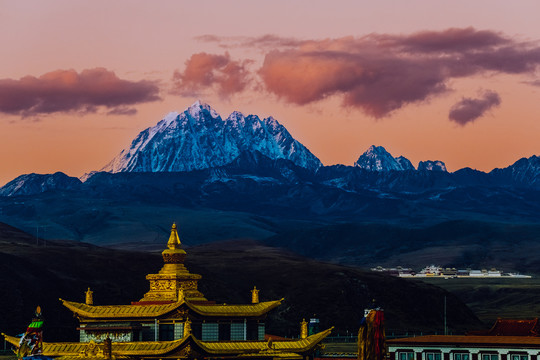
x: 254, y: 295
x: 303, y: 329
x: 174, y: 240
x: 89, y: 297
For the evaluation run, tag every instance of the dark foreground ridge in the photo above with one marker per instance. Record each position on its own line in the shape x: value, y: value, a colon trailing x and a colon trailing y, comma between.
x: 39, y: 275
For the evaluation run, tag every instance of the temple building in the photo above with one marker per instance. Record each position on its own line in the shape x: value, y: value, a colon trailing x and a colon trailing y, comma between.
x: 174, y: 320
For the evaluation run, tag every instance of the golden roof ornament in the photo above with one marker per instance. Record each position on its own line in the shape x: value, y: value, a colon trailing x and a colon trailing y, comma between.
x: 89, y: 297
x: 303, y: 329
x: 254, y: 295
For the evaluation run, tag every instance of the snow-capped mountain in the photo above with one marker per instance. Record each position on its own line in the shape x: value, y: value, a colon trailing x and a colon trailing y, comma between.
x: 198, y: 138
x: 31, y: 184
x: 432, y: 166
x: 376, y: 158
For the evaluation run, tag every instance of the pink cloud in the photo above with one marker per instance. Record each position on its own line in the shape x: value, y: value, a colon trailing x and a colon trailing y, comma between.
x: 469, y: 109
x: 382, y: 73
x: 67, y: 90
x: 205, y: 71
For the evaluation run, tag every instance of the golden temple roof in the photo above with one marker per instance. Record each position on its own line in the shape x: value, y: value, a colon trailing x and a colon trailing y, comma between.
x: 278, y: 348
x: 291, y: 346
x: 157, y: 310
x: 235, y: 310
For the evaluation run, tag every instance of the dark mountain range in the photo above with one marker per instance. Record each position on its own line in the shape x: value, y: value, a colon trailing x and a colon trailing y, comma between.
x: 242, y: 198
x: 244, y: 177
x: 38, y: 275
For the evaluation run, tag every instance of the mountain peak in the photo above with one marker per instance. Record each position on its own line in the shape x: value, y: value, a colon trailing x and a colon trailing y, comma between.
x: 198, y: 106
x: 198, y: 138
x: 430, y: 165
x: 376, y: 158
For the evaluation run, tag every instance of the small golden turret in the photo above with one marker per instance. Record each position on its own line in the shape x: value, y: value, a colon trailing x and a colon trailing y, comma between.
x: 187, y: 328
x: 254, y: 295
x: 89, y: 297
x: 303, y: 329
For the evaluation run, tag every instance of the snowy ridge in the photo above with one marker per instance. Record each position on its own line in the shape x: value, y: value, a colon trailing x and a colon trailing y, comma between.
x: 199, y: 139
x: 376, y: 158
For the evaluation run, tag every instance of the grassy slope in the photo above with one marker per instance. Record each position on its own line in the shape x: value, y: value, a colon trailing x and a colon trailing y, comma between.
x: 494, y: 298
x: 510, y: 247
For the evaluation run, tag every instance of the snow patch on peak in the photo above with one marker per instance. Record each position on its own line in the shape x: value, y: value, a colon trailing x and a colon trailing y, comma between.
x: 196, y: 108
x: 169, y: 118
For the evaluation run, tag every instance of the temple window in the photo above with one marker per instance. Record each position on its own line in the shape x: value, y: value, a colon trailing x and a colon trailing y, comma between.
x: 261, y: 331
x: 252, y: 330
x: 148, y: 333
x: 224, y: 331
x: 238, y: 331
x: 166, y: 332
x: 178, y: 330
x: 405, y: 355
x: 519, y: 357
x: 490, y: 356
x: 433, y: 356
x: 210, y: 332
x: 462, y: 356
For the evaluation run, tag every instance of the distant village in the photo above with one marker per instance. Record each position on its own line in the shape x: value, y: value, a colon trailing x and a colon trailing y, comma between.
x: 438, y: 271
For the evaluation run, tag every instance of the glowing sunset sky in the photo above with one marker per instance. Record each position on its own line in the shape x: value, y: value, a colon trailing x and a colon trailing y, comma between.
x: 456, y: 81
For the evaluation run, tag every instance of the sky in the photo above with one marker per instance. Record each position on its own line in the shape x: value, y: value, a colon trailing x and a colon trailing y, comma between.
x: 454, y: 81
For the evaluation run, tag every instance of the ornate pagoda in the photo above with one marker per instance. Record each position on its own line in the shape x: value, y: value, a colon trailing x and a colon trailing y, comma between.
x: 174, y: 320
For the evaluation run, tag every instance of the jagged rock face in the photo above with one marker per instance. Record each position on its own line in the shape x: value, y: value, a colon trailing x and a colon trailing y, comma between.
x: 198, y: 138
x: 431, y: 166
x: 31, y: 184
x: 376, y: 158
x: 405, y: 163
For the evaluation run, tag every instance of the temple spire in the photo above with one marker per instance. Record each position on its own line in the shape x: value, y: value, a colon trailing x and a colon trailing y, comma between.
x: 174, y: 282
x: 174, y: 240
